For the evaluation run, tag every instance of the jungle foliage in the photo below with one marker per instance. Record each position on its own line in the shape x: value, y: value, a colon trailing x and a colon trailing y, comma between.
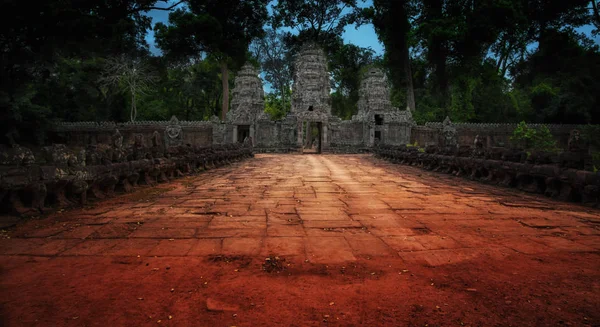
x: 475, y: 61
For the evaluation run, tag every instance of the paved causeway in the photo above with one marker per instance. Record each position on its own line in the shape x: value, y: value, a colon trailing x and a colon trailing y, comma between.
x: 351, y: 241
x: 325, y: 209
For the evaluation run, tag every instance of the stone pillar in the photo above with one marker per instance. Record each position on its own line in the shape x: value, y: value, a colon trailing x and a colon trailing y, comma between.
x: 300, y: 133
x: 308, y: 139
x: 252, y: 136
x: 324, y: 140
x: 234, y: 139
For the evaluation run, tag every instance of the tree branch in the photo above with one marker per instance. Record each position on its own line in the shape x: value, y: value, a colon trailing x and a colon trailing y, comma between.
x: 596, y: 13
x: 157, y: 8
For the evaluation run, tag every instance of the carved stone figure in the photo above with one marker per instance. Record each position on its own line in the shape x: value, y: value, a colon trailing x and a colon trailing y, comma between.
x: 93, y: 156
x: 478, y: 148
x: 450, y: 135
x: 59, y: 155
x: 118, y: 153
x: 575, y: 144
x: 248, y: 141
x: 156, y: 141
x: 157, y: 149
x: 81, y: 156
x: 173, y: 133
x: 16, y: 155
x: 139, y: 149
x: 117, y: 139
x: 478, y: 143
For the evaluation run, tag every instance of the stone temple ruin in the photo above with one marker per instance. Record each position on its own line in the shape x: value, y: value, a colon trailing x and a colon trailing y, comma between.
x: 247, y: 104
x: 310, y: 120
x: 386, y: 124
x: 96, y: 158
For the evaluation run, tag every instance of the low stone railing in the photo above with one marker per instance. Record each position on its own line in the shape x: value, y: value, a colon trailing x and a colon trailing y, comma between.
x: 281, y: 149
x: 564, y: 176
x: 347, y: 149
x: 65, y: 177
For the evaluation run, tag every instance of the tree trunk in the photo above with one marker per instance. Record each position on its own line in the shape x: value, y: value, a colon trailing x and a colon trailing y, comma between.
x: 283, y: 95
x: 225, y: 82
x: 438, y: 51
x: 410, y: 91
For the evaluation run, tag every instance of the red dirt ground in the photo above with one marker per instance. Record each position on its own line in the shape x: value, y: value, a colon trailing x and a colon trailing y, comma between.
x: 351, y: 241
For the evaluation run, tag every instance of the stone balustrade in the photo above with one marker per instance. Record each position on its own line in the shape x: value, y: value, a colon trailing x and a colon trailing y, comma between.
x: 565, y: 176
x: 61, y: 177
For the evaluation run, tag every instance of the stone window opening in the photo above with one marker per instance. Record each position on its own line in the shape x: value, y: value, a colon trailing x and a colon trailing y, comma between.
x: 310, y: 108
x: 378, y: 120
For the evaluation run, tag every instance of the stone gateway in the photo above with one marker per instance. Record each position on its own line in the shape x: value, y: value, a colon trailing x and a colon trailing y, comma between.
x: 310, y: 125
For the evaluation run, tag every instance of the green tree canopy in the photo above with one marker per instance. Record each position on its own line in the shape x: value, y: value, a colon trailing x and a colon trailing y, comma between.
x: 220, y: 28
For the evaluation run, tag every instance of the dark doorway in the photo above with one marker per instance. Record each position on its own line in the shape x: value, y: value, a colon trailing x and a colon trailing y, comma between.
x: 377, y: 136
x: 312, y: 137
x: 378, y: 120
x: 243, y: 131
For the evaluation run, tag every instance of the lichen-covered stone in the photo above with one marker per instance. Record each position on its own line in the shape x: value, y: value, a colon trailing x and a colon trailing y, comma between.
x: 16, y: 155
x: 173, y: 133
x: 248, y: 99
x: 61, y: 181
x: 450, y: 139
x: 311, y: 89
x: 374, y: 99
x: 537, y: 173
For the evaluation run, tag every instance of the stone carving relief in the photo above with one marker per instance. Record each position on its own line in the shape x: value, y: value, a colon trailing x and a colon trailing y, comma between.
x: 449, y: 134
x: 139, y: 148
x: 156, y: 140
x: 575, y: 144
x: 478, y: 146
x: 16, y: 155
x: 248, y: 97
x: 157, y: 149
x: 173, y: 133
x: 374, y: 99
x: 118, y: 153
x: 311, y: 90
x: 374, y: 94
x: 59, y: 155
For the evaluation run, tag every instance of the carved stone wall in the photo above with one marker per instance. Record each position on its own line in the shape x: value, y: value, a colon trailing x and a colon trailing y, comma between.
x: 397, y: 133
x: 565, y: 176
x: 59, y: 176
x: 347, y: 134
x: 276, y: 136
x: 197, y: 133
x: 492, y: 135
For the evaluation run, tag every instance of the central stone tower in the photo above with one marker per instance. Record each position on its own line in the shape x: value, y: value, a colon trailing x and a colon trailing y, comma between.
x: 311, y: 100
x: 311, y: 90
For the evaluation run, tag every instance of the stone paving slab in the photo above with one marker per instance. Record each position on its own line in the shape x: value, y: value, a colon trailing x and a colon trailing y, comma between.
x: 325, y: 209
